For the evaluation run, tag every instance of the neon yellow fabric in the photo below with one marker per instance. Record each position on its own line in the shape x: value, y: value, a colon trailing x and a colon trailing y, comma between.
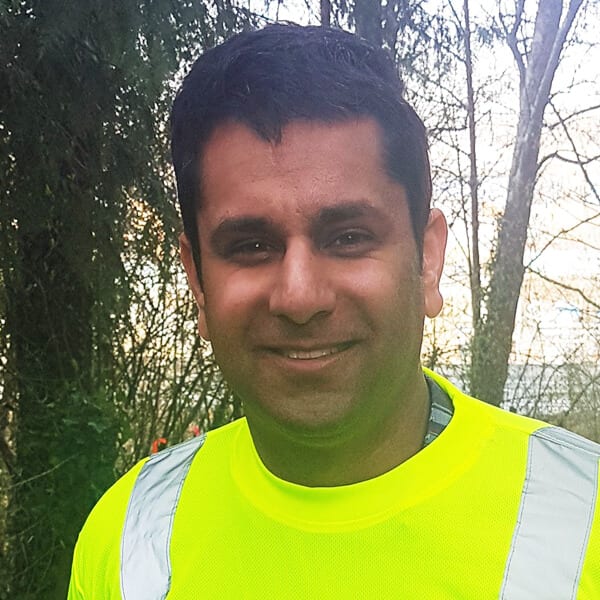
x: 437, y: 526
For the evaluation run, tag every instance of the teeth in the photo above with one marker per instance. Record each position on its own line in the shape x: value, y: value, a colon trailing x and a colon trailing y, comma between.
x: 308, y: 354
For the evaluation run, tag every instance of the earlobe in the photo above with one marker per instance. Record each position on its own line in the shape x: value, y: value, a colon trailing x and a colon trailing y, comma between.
x: 434, y: 250
x: 187, y: 259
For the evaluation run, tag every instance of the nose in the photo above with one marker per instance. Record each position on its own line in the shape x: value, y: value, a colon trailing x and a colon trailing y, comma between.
x: 303, y: 287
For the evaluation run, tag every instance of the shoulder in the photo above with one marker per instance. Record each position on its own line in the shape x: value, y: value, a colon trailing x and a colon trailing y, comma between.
x: 505, y: 424
x: 96, y: 559
x: 108, y: 514
x: 107, y: 517
x: 177, y: 460
x: 468, y: 408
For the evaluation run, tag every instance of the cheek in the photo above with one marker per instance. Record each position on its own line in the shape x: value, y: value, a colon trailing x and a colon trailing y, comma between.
x: 231, y: 301
x: 387, y: 288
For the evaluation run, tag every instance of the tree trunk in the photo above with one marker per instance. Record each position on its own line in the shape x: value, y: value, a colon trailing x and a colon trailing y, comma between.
x: 474, y: 260
x: 368, y: 21
x: 492, y: 339
x: 325, y: 13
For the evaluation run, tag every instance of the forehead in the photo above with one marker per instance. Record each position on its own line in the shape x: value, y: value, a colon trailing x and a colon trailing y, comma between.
x: 313, y: 165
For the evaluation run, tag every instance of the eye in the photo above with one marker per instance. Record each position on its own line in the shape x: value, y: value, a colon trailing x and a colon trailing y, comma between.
x: 249, y: 247
x: 350, y: 238
x: 352, y: 242
x: 249, y: 251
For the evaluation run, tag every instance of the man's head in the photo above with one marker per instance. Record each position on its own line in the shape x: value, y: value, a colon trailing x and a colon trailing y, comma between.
x: 320, y: 258
x: 284, y: 73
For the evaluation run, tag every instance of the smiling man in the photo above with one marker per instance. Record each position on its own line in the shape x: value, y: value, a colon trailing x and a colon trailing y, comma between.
x: 314, y: 257
x: 313, y: 295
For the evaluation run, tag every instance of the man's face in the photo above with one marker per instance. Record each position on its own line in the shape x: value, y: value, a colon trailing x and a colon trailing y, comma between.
x: 312, y: 292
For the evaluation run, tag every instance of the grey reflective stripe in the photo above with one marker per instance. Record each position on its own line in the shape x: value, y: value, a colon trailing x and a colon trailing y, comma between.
x: 145, y: 561
x: 555, y: 517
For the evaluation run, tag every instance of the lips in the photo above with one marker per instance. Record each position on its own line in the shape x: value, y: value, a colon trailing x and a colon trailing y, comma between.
x: 311, y: 353
x: 307, y: 355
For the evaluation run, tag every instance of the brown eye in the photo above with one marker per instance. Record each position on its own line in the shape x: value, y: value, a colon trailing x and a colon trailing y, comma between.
x: 351, y: 238
x: 352, y: 242
x: 249, y: 252
x: 250, y: 247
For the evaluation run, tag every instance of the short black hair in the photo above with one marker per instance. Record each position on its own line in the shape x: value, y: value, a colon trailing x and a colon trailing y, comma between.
x: 268, y: 78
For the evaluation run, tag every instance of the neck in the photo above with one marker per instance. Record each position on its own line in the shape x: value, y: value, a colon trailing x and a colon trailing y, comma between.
x: 366, y: 451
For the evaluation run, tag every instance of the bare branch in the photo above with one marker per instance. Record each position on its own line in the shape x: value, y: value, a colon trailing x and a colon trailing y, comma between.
x: 565, y: 286
x: 560, y: 234
x: 43, y: 473
x: 557, y: 47
x: 581, y: 162
x: 565, y: 159
x: 572, y: 115
x: 511, y: 37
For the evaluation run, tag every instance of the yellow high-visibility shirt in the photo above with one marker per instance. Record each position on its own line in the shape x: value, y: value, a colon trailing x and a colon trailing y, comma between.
x: 498, y: 506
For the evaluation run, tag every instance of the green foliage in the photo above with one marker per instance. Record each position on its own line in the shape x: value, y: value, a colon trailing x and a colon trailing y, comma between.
x: 85, y: 90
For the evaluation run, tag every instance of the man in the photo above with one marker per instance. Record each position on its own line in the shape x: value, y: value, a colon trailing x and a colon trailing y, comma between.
x: 314, y: 256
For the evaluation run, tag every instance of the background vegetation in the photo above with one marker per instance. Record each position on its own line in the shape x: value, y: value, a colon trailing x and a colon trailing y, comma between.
x: 98, y: 353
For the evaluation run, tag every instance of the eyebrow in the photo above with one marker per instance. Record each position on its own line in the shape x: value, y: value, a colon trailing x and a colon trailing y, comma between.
x: 345, y: 211
x: 240, y: 225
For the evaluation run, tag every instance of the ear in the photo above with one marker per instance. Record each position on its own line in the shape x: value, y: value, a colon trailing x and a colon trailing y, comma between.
x: 187, y: 259
x: 434, y: 250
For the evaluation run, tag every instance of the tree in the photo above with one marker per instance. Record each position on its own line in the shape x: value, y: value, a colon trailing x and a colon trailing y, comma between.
x: 84, y: 92
x: 537, y: 61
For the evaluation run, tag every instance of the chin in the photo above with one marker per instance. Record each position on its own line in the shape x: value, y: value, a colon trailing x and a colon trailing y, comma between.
x: 317, y: 428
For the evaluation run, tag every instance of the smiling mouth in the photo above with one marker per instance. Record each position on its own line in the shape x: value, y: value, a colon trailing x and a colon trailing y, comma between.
x: 298, y: 354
